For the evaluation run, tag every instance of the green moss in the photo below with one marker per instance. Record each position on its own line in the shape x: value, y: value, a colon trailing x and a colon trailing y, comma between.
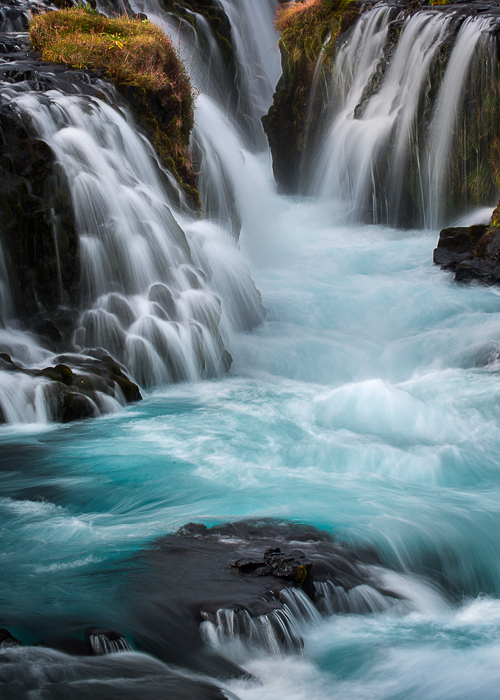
x: 142, y: 62
x: 308, y: 28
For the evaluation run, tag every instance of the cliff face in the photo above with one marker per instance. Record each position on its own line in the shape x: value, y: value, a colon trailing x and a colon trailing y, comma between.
x: 309, y: 32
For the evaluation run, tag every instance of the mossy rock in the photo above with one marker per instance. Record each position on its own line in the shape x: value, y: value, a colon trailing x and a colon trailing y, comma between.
x: 138, y: 57
x: 71, y: 405
x: 293, y: 121
x: 213, y: 13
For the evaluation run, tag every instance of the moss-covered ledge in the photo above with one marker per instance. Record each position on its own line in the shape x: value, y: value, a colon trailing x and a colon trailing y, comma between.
x: 309, y: 31
x: 143, y: 64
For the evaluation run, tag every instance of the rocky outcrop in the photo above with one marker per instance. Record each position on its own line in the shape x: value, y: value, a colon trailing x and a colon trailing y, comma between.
x: 246, y: 571
x: 39, y: 241
x: 214, y: 15
x: 288, y: 566
x: 307, y: 45
x: 75, y: 394
x: 472, y: 253
x: 253, y: 573
x: 311, y: 34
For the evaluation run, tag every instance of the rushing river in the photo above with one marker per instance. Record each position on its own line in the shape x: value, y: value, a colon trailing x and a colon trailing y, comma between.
x: 366, y: 404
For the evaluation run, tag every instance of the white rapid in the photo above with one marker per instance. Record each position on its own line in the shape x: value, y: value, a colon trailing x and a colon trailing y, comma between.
x: 388, y: 148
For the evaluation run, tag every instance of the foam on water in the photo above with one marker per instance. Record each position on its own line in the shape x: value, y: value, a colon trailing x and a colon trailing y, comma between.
x: 366, y: 403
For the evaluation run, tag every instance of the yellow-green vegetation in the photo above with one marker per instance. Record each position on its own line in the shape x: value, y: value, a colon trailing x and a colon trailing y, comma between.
x: 495, y: 217
x: 142, y: 62
x: 309, y: 31
x: 309, y: 26
x: 438, y: 2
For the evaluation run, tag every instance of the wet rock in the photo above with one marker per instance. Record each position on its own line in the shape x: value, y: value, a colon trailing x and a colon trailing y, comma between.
x: 292, y: 566
x: 162, y: 295
x: 52, y: 675
x: 472, y: 253
x: 247, y: 566
x: 7, y: 639
x: 295, y: 120
x: 72, y: 394
x: 68, y: 405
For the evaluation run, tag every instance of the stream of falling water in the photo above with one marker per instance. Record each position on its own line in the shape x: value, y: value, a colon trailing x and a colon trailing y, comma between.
x: 366, y: 403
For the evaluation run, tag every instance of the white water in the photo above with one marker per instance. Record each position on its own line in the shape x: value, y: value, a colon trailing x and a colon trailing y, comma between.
x: 366, y: 403
x: 128, y: 225
x: 378, y: 144
x: 449, y: 107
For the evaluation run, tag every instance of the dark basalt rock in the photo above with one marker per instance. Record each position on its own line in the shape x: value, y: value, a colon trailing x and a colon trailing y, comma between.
x: 297, y: 115
x: 7, y: 639
x: 292, y: 566
x: 243, y: 566
x: 39, y: 240
x: 472, y: 253
x: 248, y: 569
x: 72, y: 393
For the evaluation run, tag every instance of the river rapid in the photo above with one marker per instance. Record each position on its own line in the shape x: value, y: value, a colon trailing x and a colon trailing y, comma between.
x: 366, y: 404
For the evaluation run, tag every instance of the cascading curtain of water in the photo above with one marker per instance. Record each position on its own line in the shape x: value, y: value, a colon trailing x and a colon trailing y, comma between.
x: 388, y: 147
x: 159, y: 296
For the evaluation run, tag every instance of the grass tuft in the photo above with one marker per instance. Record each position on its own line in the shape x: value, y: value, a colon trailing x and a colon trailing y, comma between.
x: 129, y: 50
x: 306, y: 25
x: 142, y: 62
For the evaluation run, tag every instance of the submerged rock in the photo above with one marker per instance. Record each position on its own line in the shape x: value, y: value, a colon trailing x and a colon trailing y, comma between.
x: 52, y: 675
x: 7, y: 639
x: 103, y: 641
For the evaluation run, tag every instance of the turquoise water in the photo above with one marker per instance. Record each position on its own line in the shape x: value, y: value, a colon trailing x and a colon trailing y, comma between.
x: 367, y: 404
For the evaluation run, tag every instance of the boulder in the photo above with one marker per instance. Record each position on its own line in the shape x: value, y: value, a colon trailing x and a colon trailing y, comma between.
x: 472, y: 253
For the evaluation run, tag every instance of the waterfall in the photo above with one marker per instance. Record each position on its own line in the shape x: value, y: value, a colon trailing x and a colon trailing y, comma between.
x: 161, y: 291
x: 276, y: 632
x: 396, y: 103
x: 144, y: 299
x: 474, y: 34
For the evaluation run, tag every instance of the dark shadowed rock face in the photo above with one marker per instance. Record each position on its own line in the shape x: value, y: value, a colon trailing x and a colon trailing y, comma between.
x: 73, y: 394
x: 38, y: 236
x: 244, y: 567
x: 472, y: 253
x: 39, y: 240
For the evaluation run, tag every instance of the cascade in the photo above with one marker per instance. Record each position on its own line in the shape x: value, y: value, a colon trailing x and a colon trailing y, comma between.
x: 159, y: 289
x: 366, y: 405
x: 399, y: 106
